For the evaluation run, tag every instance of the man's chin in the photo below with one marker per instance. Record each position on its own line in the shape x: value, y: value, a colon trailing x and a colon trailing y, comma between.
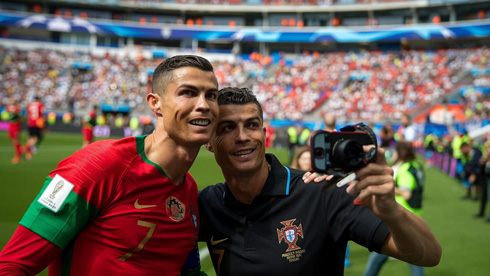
x: 200, y: 140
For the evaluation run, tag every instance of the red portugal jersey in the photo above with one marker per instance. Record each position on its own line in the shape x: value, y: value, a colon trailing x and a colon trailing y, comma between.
x: 90, y: 120
x: 269, y: 133
x: 114, y: 212
x: 14, y: 113
x: 35, y: 111
x: 15, y: 121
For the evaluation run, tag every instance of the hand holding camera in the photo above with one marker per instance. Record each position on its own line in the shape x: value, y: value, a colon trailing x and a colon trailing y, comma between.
x: 339, y: 153
x: 351, y: 155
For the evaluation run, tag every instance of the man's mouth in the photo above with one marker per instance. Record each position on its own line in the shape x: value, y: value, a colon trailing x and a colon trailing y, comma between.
x: 243, y: 152
x: 200, y: 122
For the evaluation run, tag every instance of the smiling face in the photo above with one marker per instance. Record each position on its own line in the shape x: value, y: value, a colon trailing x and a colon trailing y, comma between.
x: 189, y: 106
x: 239, y: 141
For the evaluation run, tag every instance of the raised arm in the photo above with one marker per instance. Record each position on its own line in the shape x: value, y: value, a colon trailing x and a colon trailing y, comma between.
x: 411, y: 239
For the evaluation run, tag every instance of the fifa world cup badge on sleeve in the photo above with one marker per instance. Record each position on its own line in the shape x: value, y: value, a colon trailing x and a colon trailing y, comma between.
x: 56, y: 193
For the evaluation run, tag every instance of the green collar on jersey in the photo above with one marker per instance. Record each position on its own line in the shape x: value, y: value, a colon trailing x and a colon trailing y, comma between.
x: 140, y: 148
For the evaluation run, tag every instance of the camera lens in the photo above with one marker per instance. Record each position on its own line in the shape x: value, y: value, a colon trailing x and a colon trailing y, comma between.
x: 318, y: 152
x: 348, y: 154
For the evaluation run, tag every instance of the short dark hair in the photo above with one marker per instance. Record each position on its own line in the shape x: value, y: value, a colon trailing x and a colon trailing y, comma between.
x: 239, y: 96
x: 465, y: 144
x: 163, y: 74
x: 405, y: 151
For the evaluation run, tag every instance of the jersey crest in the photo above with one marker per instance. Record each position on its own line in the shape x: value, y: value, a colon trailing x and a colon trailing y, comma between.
x: 290, y: 234
x: 175, y: 208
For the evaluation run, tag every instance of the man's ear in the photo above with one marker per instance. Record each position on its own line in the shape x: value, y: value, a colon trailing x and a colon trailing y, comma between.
x: 208, y: 147
x: 154, y: 103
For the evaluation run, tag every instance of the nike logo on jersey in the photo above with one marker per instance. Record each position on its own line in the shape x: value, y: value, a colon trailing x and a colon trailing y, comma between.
x: 213, y: 242
x: 138, y: 206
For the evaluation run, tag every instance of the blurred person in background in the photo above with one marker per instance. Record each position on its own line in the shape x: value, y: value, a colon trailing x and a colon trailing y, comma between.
x: 36, y: 124
x: 15, y: 121
x: 88, y: 124
x: 265, y: 218
x: 430, y: 142
x: 302, y: 159
x: 270, y: 134
x: 471, y: 174
x: 387, y: 135
x: 485, y: 196
x: 457, y: 139
x: 293, y: 137
x: 304, y: 137
x: 387, y: 140
x: 329, y: 122
x: 406, y: 132
x: 126, y: 206
x: 409, y: 185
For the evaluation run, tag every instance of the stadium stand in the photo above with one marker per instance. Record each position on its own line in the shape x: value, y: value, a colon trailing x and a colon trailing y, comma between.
x: 361, y: 60
x: 367, y: 85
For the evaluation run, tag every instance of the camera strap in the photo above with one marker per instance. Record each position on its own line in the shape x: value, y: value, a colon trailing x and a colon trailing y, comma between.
x: 364, y: 128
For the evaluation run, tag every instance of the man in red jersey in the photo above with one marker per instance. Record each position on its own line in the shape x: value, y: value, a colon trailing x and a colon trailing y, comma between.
x: 35, y: 124
x: 13, y: 110
x: 88, y: 126
x: 127, y: 206
x: 270, y: 135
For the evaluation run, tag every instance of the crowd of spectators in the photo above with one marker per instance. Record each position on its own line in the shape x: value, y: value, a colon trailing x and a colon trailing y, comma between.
x: 25, y: 74
x: 365, y: 85
x: 78, y: 80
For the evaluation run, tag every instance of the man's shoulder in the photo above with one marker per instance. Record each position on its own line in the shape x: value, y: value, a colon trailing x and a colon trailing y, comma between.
x: 298, y: 185
x: 106, y: 154
x: 212, y: 190
x: 112, y: 145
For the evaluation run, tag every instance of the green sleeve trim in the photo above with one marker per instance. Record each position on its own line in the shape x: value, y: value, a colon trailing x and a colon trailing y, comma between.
x: 61, y: 227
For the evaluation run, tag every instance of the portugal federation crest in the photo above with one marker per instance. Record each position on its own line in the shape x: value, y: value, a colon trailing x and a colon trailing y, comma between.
x: 290, y: 234
x: 175, y: 208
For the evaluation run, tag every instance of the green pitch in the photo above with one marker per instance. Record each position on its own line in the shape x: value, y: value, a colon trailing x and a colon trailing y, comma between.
x: 465, y: 240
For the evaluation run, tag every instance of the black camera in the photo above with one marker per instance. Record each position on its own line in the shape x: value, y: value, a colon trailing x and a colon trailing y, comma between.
x: 340, y: 152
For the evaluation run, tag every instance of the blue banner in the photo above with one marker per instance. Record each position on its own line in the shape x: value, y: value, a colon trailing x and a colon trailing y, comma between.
x: 477, y: 29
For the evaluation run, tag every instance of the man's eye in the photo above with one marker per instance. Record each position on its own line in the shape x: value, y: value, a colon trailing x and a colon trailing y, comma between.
x: 187, y: 92
x: 213, y: 95
x: 227, y: 128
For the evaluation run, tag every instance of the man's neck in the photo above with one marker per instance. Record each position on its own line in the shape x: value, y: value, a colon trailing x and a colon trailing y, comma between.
x: 246, y: 187
x: 174, y: 159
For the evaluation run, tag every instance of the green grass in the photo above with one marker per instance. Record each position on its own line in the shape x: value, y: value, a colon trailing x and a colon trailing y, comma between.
x: 465, y: 240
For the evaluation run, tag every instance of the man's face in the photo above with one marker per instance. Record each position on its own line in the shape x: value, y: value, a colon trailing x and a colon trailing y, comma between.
x: 304, y: 161
x: 405, y: 121
x: 239, y: 142
x: 466, y: 150
x: 189, y: 107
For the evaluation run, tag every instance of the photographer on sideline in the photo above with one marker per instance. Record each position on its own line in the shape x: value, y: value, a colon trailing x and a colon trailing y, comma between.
x: 264, y: 220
